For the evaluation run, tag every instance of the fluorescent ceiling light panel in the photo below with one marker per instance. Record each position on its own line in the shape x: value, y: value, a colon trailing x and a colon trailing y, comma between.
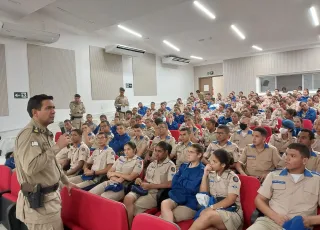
x: 130, y: 31
x: 240, y: 34
x: 195, y: 57
x: 257, y: 47
x: 204, y: 9
x: 314, y: 15
x: 171, y: 45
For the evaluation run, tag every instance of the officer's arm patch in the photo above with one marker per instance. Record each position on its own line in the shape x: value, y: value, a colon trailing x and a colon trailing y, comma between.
x: 173, y: 169
x: 235, y: 179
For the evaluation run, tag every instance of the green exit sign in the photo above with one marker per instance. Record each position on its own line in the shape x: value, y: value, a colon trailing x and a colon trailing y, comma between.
x: 210, y: 73
x: 20, y: 95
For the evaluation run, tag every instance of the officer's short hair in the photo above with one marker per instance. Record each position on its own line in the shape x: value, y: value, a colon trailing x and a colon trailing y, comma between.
x: 89, y: 115
x: 129, y: 111
x: 122, y: 89
x: 120, y: 124
x: 224, y: 128
x: 35, y: 102
x: 104, y: 134
x: 137, y: 126
x: 78, y: 131
x: 163, y: 123
x: 303, y: 149
x: 66, y: 121
x: 77, y: 95
x: 158, y: 121
x: 185, y: 129
x: 198, y: 91
x: 262, y: 131
x: 106, y: 122
x: 311, y: 134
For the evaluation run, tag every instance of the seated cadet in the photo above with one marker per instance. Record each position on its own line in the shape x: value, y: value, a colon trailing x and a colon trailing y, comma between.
x: 10, y: 160
x: 119, y: 140
x: 223, y: 135
x: 198, y: 120
x: 141, y: 141
x: 68, y: 126
x: 134, y: 112
x: 205, y: 113
x: 316, y: 144
x: 178, y: 117
x: 268, y: 120
x: 153, y: 107
x: 243, y: 137
x: 288, y: 193
x: 209, y: 134
x: 258, y: 158
x: 105, y: 128
x: 281, y: 110
x: 159, y: 175
x: 114, y: 123
x: 284, y: 138
x: 195, y: 132
x: 126, y: 169
x: 90, y: 123
x: 139, y: 121
x: 88, y: 136
x: 127, y: 120
x: 163, y: 136
x: 148, y: 115
x: 180, y: 151
x: 224, y: 186
x: 182, y: 203
x: 172, y: 124
x: 164, y: 110
x: 306, y: 137
x: 180, y: 104
x: 149, y: 130
x: 253, y: 120
x: 102, y: 118
x: 298, y: 124
x: 130, y: 130
x: 223, y: 120
x: 142, y: 109
x: 220, y: 110
x: 167, y: 107
x: 234, y: 125
x: 77, y: 154
x: 97, y: 165
x: 305, y: 112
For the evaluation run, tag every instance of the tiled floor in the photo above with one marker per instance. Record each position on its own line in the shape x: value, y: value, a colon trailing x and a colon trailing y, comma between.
x: 2, y: 227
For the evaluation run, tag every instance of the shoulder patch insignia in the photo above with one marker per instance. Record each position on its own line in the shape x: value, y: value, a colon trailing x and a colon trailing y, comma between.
x: 173, y: 169
x: 235, y: 179
x: 83, y: 149
x: 34, y: 143
x: 35, y: 129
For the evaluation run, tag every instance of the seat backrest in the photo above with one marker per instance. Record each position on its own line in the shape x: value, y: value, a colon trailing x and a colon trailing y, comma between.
x: 90, y: 211
x: 307, y: 124
x: 200, y: 128
x: 269, y: 130
x: 15, y: 186
x: 145, y: 221
x: 248, y: 192
x: 5, y: 178
x: 58, y: 134
x: 175, y: 134
x: 279, y: 123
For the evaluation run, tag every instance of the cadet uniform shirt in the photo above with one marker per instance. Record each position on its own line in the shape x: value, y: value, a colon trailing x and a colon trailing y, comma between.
x: 160, y: 173
x: 100, y: 158
x: 181, y: 150
x: 62, y: 155
x: 233, y: 127
x: 316, y: 144
x: 77, y: 109
x: 123, y: 100
x: 209, y: 137
x: 92, y: 125
x: 258, y: 163
x: 273, y: 122
x: 205, y: 114
x: 169, y: 139
x: 35, y: 159
x: 229, y: 147
x: 130, y: 131
x: 149, y: 132
x: 127, y: 166
x: 241, y: 141
x: 281, y: 144
x: 278, y: 113
x: 80, y: 153
x: 313, y: 163
x: 291, y: 198
x: 254, y: 121
x: 91, y: 138
x: 141, y: 142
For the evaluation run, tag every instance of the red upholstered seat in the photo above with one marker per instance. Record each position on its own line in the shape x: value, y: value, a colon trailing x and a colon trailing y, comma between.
x: 200, y: 129
x: 5, y: 178
x: 279, y: 123
x: 83, y: 210
x: 146, y: 222
x: 151, y: 211
x: 58, y: 134
x: 175, y: 134
x: 10, y: 197
x: 14, y: 189
x: 248, y: 193
x: 307, y: 124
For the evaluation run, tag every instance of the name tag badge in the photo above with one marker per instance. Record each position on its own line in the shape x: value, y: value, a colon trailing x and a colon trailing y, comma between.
x: 34, y: 143
x: 251, y: 157
x: 278, y: 182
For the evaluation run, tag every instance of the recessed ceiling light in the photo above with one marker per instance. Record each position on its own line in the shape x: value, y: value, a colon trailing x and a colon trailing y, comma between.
x: 130, y: 31
x: 238, y: 32
x: 204, y: 9
x: 195, y: 57
x: 314, y: 15
x: 257, y: 47
x: 171, y: 45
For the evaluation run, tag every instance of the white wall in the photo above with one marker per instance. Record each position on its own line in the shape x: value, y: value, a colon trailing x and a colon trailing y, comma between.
x: 240, y: 74
x: 201, y: 71
x: 218, y: 86
x: 173, y: 82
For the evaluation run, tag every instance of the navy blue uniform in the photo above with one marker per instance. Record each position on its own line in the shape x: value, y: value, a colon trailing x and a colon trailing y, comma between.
x: 118, y: 142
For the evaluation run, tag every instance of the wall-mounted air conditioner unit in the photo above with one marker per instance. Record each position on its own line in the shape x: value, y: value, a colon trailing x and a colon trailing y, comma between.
x: 174, y: 60
x: 124, y: 50
x: 15, y: 31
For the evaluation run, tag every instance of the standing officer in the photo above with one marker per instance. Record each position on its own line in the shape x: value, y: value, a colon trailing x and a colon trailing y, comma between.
x: 77, y: 110
x: 38, y: 171
x: 121, y: 101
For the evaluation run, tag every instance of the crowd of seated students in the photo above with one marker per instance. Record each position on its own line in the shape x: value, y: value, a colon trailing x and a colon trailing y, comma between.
x: 219, y: 138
